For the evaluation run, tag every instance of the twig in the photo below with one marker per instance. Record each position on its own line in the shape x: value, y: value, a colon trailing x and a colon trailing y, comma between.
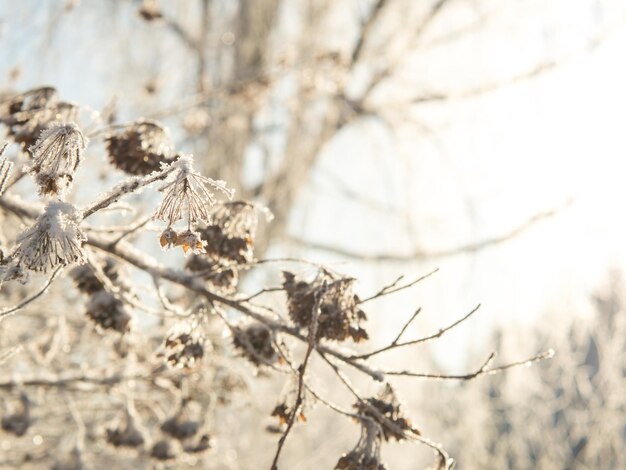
x: 435, y: 254
x: 23, y: 304
x: 482, y: 370
x: 311, y: 340
x: 126, y: 187
x: 395, y: 344
x: 391, y: 288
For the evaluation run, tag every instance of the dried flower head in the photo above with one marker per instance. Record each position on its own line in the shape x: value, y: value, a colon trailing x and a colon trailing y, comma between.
x: 17, y: 423
x: 55, y: 239
x: 220, y: 277
x: 339, y: 317
x: 27, y: 114
x: 108, y: 312
x: 34, y: 99
x: 366, y: 453
x: 230, y: 233
x: 184, y: 345
x: 39, y: 120
x: 255, y: 342
x: 386, y: 404
x: 56, y: 154
x: 86, y: 280
x: 124, y: 433
x: 187, y: 193
x: 202, y: 443
x: 183, y: 425
x: 165, y: 449
x: 140, y: 148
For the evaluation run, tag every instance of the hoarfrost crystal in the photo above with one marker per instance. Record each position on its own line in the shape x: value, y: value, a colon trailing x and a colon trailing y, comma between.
x: 56, y: 155
x: 55, y: 239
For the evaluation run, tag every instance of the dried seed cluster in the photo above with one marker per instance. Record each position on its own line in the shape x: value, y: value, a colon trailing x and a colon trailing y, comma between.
x: 182, y: 433
x: 103, y: 308
x: 183, y: 424
x: 140, y: 148
x: 165, y: 449
x: 86, y: 280
x: 108, y: 312
x: 125, y: 434
x: 228, y: 241
x: 387, y: 405
x: 27, y: 114
x: 254, y: 341
x: 339, y: 317
x: 55, y: 240
x: 18, y: 422
x: 184, y: 346
x: 56, y: 155
x: 230, y: 234
x: 366, y: 453
x: 187, y: 195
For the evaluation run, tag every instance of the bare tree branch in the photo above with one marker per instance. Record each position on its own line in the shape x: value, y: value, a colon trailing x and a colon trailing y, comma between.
x: 434, y: 254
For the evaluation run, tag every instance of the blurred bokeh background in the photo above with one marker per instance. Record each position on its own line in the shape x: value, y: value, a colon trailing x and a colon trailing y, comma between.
x: 393, y: 137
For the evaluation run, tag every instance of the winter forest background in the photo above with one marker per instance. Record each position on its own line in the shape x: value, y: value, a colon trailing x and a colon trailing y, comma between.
x: 149, y: 318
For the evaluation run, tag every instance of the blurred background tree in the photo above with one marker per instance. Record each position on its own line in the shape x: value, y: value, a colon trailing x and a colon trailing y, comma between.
x: 392, y: 134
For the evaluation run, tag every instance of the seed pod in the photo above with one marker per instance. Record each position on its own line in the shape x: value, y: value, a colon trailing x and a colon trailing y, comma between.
x: 140, y: 148
x: 339, y: 317
x: 108, y: 312
x: 386, y: 404
x: 254, y: 341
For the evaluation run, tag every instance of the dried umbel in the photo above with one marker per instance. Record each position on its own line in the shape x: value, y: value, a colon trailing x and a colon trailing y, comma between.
x: 187, y: 194
x: 26, y: 115
x: 366, y: 453
x: 255, y: 342
x: 87, y: 282
x: 339, y: 317
x: 199, y: 445
x: 140, y: 148
x: 183, y: 424
x: 222, y: 278
x: 125, y: 434
x: 55, y: 240
x: 165, y: 449
x: 386, y: 404
x: 108, y: 312
x: 184, y: 346
x: 56, y: 155
x: 18, y: 422
x: 39, y: 120
x: 229, y: 236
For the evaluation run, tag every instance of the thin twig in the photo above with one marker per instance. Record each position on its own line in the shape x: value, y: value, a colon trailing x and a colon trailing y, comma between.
x: 482, y: 370
x: 417, y: 255
x: 391, y: 289
x: 311, y: 341
x: 395, y: 344
x: 23, y: 304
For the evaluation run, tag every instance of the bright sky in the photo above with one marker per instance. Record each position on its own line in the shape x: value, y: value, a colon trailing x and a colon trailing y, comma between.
x: 489, y: 164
